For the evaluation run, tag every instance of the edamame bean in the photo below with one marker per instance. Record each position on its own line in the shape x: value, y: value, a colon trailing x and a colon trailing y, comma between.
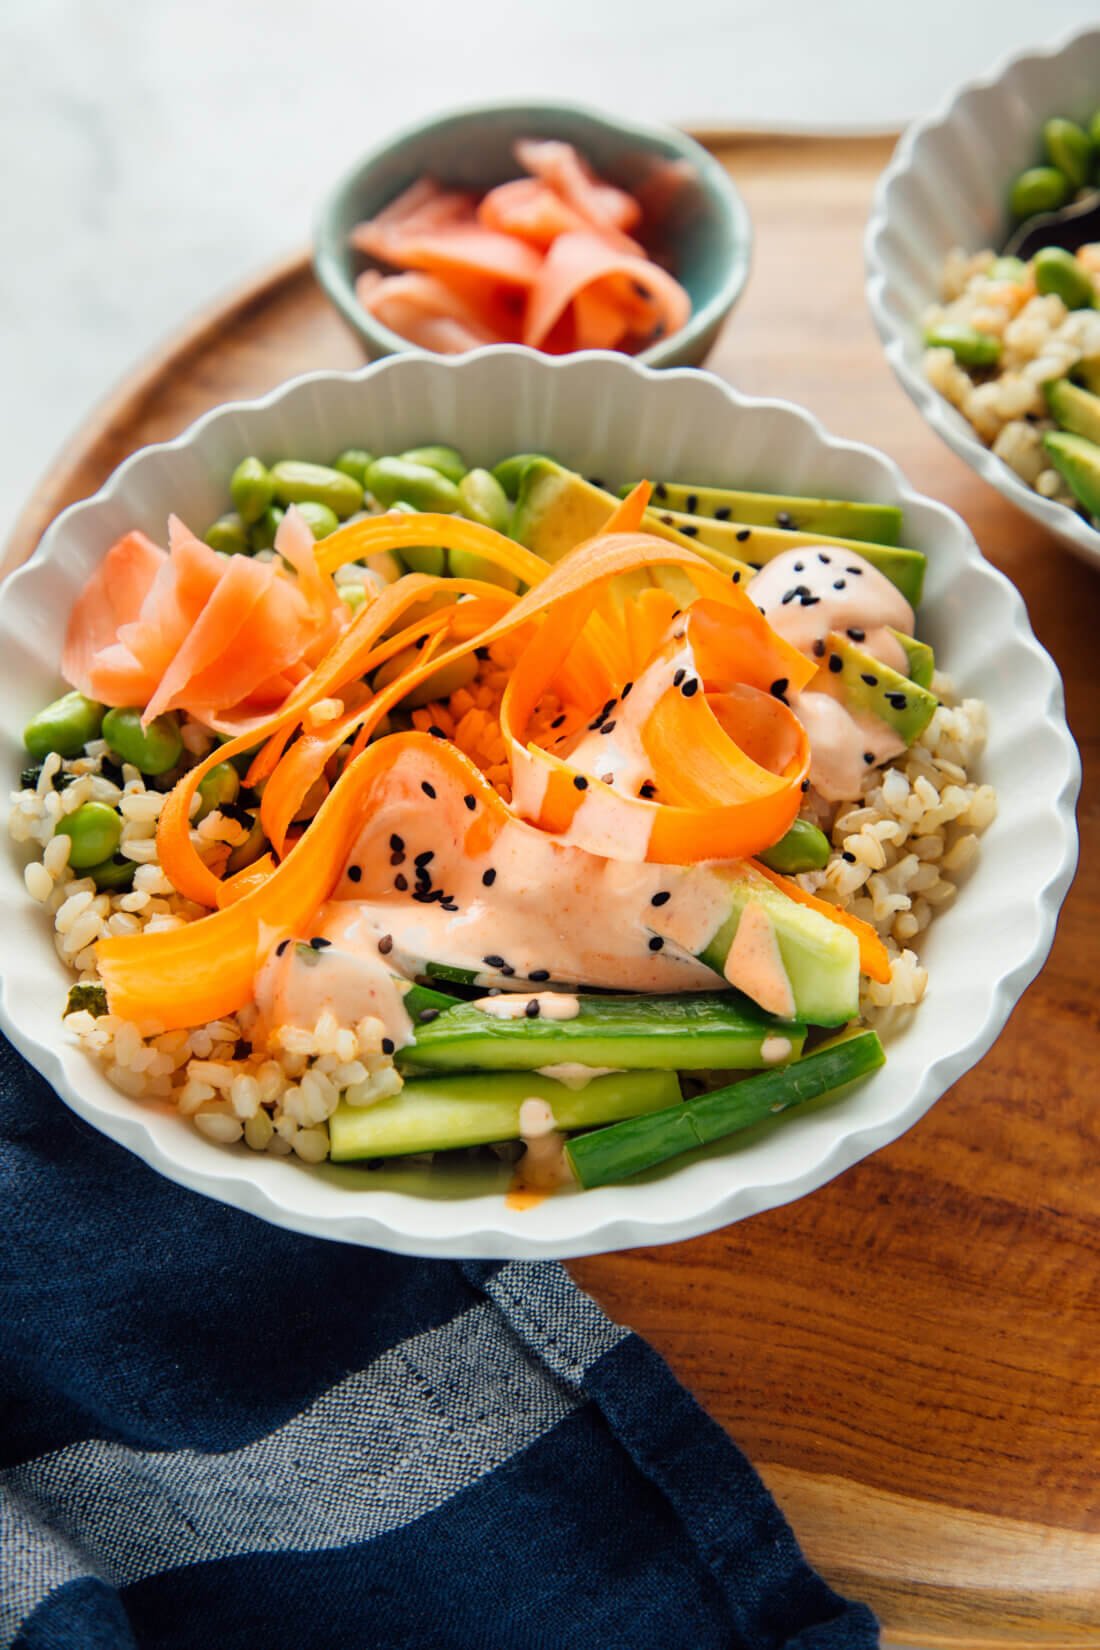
x: 1039, y: 189
x: 440, y: 685
x: 229, y: 535
x: 509, y: 472
x: 484, y: 501
x: 1006, y: 269
x: 319, y: 518
x: 221, y: 784
x: 1069, y: 148
x: 112, y: 875
x: 425, y: 558
x: 354, y: 595
x: 447, y: 460
x: 804, y: 848
x: 397, y: 480
x: 151, y: 750
x: 65, y: 726
x: 969, y: 347
x: 355, y: 462
x: 246, y: 853
x: 298, y: 483
x: 95, y: 832
x: 251, y: 488
x: 1057, y: 272
x: 261, y: 535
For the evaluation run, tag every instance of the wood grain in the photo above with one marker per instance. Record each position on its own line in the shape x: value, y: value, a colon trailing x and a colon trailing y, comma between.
x: 911, y: 1354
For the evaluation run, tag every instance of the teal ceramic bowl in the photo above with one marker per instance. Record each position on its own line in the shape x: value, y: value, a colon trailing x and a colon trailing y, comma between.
x: 705, y: 239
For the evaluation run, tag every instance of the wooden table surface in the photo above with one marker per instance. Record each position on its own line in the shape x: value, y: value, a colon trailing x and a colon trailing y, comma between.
x: 912, y: 1354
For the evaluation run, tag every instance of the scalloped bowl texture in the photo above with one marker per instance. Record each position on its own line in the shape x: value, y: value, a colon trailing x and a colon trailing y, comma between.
x: 608, y: 415
x: 947, y: 186
x: 707, y: 235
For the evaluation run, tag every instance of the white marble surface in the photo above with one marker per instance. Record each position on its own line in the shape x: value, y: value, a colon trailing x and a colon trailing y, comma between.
x: 158, y: 150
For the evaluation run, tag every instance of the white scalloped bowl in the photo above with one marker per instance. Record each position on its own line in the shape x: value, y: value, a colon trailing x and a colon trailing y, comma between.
x: 946, y: 186
x: 615, y: 418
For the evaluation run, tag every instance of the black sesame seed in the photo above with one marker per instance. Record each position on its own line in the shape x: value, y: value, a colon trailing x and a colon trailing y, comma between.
x: 745, y: 533
x: 836, y: 663
x: 800, y: 566
x: 737, y: 576
x: 428, y: 1014
x: 397, y: 843
x: 819, y: 649
x: 319, y: 943
x: 858, y: 571
x: 869, y: 758
x: 558, y: 720
x: 660, y: 491
x: 448, y: 904
x: 401, y: 882
x: 471, y: 802
x: 789, y: 595
x: 779, y: 688
x: 355, y: 873
x: 783, y: 518
x: 840, y: 584
x: 678, y: 678
x: 691, y: 688
x: 866, y: 676
x: 647, y: 789
x: 532, y: 1009
x: 493, y: 961
x: 580, y: 782
x: 539, y: 974
x: 506, y: 968
x: 805, y: 785
x: 436, y: 731
x: 608, y: 727
x: 691, y: 503
x: 690, y: 532
x: 676, y: 612
x: 662, y: 898
x: 397, y: 859
x: 597, y: 481
x: 821, y: 556
x: 723, y: 513
x: 488, y: 877
x: 385, y: 944
x: 429, y: 790
x: 281, y: 947
x: 425, y: 858
x: 898, y: 700
x: 388, y: 1045
x: 481, y: 653
x: 856, y: 635
x: 656, y: 943
x: 851, y: 858
x: 810, y: 601
x: 626, y: 689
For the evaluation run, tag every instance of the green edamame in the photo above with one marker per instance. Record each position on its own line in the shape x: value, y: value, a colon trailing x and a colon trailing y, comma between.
x: 1006, y: 269
x: 354, y: 595
x: 509, y: 472
x: 113, y: 875
x: 804, y: 848
x: 440, y: 685
x: 251, y: 488
x: 425, y: 558
x: 95, y: 832
x: 1039, y: 189
x: 1058, y: 273
x: 298, y: 483
x: 222, y: 784
x: 969, y: 347
x: 1069, y: 148
x: 246, y: 853
x: 397, y: 480
x: 447, y: 460
x: 65, y: 726
x: 484, y: 501
x: 354, y: 462
x: 319, y: 518
x: 261, y: 535
x: 229, y: 535
x: 151, y: 750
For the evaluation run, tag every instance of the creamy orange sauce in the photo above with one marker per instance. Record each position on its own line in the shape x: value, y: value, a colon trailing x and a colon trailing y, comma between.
x: 841, y: 740
x: 774, y: 1049
x: 571, y: 1075
x: 516, y: 1005
x: 297, y: 983
x: 754, y: 955
x: 544, y: 1167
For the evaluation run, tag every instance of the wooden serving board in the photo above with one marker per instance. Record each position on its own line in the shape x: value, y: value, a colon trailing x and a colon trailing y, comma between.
x: 912, y: 1354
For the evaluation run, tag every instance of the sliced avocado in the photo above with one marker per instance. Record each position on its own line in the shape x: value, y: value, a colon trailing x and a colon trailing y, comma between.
x: 1074, y: 409
x: 864, y: 683
x: 1078, y: 463
x: 877, y: 523
x: 922, y: 660
x: 557, y: 509
x: 758, y: 545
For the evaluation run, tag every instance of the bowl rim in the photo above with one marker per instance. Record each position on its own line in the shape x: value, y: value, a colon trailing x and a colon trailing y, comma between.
x: 224, y: 1176
x: 328, y: 243
x: 948, y: 423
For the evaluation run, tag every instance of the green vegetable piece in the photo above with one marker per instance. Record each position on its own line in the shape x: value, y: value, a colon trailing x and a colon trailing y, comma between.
x: 613, y: 1154
x: 398, y: 480
x: 246, y: 853
x: 804, y: 848
x: 421, y: 998
x: 440, y: 685
x: 1057, y: 272
x: 717, y: 1030
x: 920, y: 661
x: 222, y: 784
x: 354, y: 462
x: 876, y: 523
x: 87, y: 998
x: 298, y: 483
x: 509, y: 472
x: 1078, y: 463
x: 94, y: 831
x: 261, y: 535
x: 65, y: 726
x: 484, y: 501
x: 1039, y: 189
x: 114, y: 874
x: 1074, y: 409
x: 229, y: 535
x: 251, y: 488
x: 425, y: 558
x: 439, y: 1113
x: 320, y: 520
x: 354, y: 595
x: 969, y: 347
x: 1094, y: 130
x: 1069, y: 148
x: 447, y: 460
x: 1006, y: 269
x: 151, y: 750
x: 1089, y: 374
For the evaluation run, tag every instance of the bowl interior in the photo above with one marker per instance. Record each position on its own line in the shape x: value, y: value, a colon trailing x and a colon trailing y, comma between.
x: 609, y: 416
x: 698, y: 229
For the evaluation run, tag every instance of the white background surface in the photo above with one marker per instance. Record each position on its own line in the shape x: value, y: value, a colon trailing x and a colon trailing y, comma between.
x: 156, y: 151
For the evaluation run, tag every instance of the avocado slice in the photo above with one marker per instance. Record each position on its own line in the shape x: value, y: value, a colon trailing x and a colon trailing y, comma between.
x: 557, y: 509
x: 922, y: 660
x: 758, y: 545
x: 864, y: 683
x: 1078, y: 462
x: 1074, y: 409
x: 877, y: 523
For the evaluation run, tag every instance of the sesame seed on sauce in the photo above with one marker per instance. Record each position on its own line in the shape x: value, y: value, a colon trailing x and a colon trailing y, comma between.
x: 805, y: 785
x: 858, y: 571
x: 690, y: 688
x: 869, y: 758
x: 471, y: 802
x: 678, y: 678
x: 647, y: 789
x: 851, y: 858
x: 429, y: 790
x: 783, y: 518
x: 723, y: 513
x: 397, y: 843
x: 779, y: 688
x: 662, y: 898
x: 281, y: 947
x: 532, y: 1009
x: 626, y: 689
x: 691, y: 503
x: 448, y: 904
x: 319, y: 943
x: 481, y: 653
x: 810, y: 601
x: 819, y: 649
x: 821, y: 556
x: 539, y: 974
x: 800, y: 566
x: 856, y: 635
x: 656, y: 943
x: 866, y: 676
x: 898, y: 700
x: 426, y: 1015
x: 397, y: 859
x: 355, y: 873
x: 493, y: 961
x: 488, y: 877
x: 401, y: 882
x: 420, y: 640
x: 506, y: 968
x: 385, y: 944
x: 388, y: 1045
x: 580, y: 782
x: 836, y: 663
x: 840, y: 584
x: 425, y: 858
x: 558, y: 720
x: 436, y: 731
x: 608, y: 727
x: 744, y: 535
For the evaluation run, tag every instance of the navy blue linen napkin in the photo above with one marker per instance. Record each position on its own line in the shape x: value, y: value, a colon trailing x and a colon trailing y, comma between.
x: 219, y: 1434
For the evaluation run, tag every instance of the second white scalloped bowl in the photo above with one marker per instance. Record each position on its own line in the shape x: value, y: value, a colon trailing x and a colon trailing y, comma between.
x: 947, y: 186
x: 613, y: 418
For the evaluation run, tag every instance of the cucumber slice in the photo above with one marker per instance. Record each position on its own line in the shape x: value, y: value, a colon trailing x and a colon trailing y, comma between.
x: 717, y: 1030
x: 441, y: 1113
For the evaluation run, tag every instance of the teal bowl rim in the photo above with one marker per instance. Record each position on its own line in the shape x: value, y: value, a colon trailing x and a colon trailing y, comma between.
x: 328, y: 246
